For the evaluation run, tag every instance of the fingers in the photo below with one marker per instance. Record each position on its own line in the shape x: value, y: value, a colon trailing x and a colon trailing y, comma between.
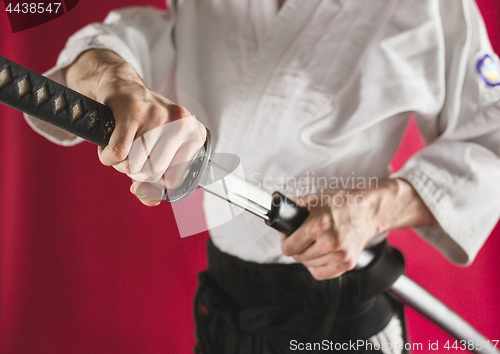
x: 154, y: 140
x: 165, y: 139
x: 119, y: 145
x: 123, y: 167
x: 323, y: 261
x: 166, y: 151
x: 318, y: 224
x: 324, y: 245
x: 139, y: 153
x: 343, y: 259
x: 329, y: 265
x: 147, y: 193
x: 326, y: 272
x: 172, y: 142
x: 182, y: 161
x: 300, y: 240
x: 328, y: 244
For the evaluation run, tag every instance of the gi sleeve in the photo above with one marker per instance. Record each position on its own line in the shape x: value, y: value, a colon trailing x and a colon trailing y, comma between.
x: 458, y: 173
x: 142, y: 36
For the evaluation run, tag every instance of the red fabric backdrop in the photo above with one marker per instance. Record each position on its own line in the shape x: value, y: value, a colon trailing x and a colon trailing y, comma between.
x: 86, y: 268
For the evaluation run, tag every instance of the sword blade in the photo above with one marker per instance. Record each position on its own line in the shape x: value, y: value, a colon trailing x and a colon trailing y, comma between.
x: 230, y: 187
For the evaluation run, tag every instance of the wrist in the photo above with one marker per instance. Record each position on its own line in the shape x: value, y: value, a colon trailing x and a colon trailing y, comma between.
x: 398, y: 206
x: 85, y: 74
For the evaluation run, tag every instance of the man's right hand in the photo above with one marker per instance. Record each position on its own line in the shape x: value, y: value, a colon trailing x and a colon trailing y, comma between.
x: 154, y: 140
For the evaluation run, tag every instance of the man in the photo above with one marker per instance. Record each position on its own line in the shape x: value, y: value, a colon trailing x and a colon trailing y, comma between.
x: 318, y: 88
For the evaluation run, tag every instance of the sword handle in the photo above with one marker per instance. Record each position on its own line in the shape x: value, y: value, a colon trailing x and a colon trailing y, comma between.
x: 285, y: 215
x: 40, y: 97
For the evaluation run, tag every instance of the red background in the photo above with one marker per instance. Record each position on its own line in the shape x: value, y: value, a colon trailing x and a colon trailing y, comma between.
x: 86, y: 268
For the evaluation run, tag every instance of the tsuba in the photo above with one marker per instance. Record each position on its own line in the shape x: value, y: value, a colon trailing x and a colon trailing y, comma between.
x: 194, y: 176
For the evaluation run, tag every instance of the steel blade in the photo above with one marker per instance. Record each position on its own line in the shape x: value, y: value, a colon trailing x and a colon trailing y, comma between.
x: 230, y: 187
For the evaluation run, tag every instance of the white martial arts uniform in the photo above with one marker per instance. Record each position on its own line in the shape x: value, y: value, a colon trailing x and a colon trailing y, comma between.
x: 325, y: 88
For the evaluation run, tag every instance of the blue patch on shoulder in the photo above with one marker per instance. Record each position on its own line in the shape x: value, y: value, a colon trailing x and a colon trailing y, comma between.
x: 489, y: 71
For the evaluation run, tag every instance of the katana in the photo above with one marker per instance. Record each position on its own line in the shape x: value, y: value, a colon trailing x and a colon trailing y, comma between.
x: 56, y: 104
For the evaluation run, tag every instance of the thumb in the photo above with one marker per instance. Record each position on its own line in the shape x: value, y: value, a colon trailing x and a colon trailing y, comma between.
x: 147, y: 193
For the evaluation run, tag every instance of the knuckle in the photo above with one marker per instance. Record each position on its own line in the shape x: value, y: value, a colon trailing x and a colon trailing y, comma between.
x: 138, y: 111
x: 350, y: 264
x: 176, y: 111
x: 326, y: 221
x: 286, y: 249
x: 335, y: 244
x: 299, y: 259
x: 318, y: 275
x: 329, y: 244
x: 119, y: 153
x: 157, y: 116
x: 309, y: 237
x: 342, y: 256
x: 324, y: 245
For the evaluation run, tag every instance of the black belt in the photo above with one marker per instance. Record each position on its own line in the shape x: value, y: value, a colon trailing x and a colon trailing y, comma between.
x: 279, y: 302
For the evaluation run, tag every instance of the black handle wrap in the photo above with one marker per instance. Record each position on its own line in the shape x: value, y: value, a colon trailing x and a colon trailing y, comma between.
x: 285, y: 215
x: 40, y: 97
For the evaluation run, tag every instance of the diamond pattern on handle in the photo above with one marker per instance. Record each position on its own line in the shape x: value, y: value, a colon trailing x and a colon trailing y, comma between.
x: 23, y: 87
x: 77, y: 111
x: 109, y: 126
x: 59, y: 103
x: 5, y: 77
x: 51, y: 102
x: 42, y: 95
x: 93, y: 119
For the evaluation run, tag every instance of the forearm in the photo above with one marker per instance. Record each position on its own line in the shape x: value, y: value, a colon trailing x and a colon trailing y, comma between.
x: 399, y: 206
x: 86, y: 72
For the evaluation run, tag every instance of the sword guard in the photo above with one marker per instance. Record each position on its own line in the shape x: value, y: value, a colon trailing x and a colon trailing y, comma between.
x: 194, y: 176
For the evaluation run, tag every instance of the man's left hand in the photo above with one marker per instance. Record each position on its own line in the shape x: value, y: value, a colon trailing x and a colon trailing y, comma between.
x: 341, y: 223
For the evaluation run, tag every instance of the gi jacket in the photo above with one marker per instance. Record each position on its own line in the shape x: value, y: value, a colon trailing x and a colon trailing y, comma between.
x: 325, y: 89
